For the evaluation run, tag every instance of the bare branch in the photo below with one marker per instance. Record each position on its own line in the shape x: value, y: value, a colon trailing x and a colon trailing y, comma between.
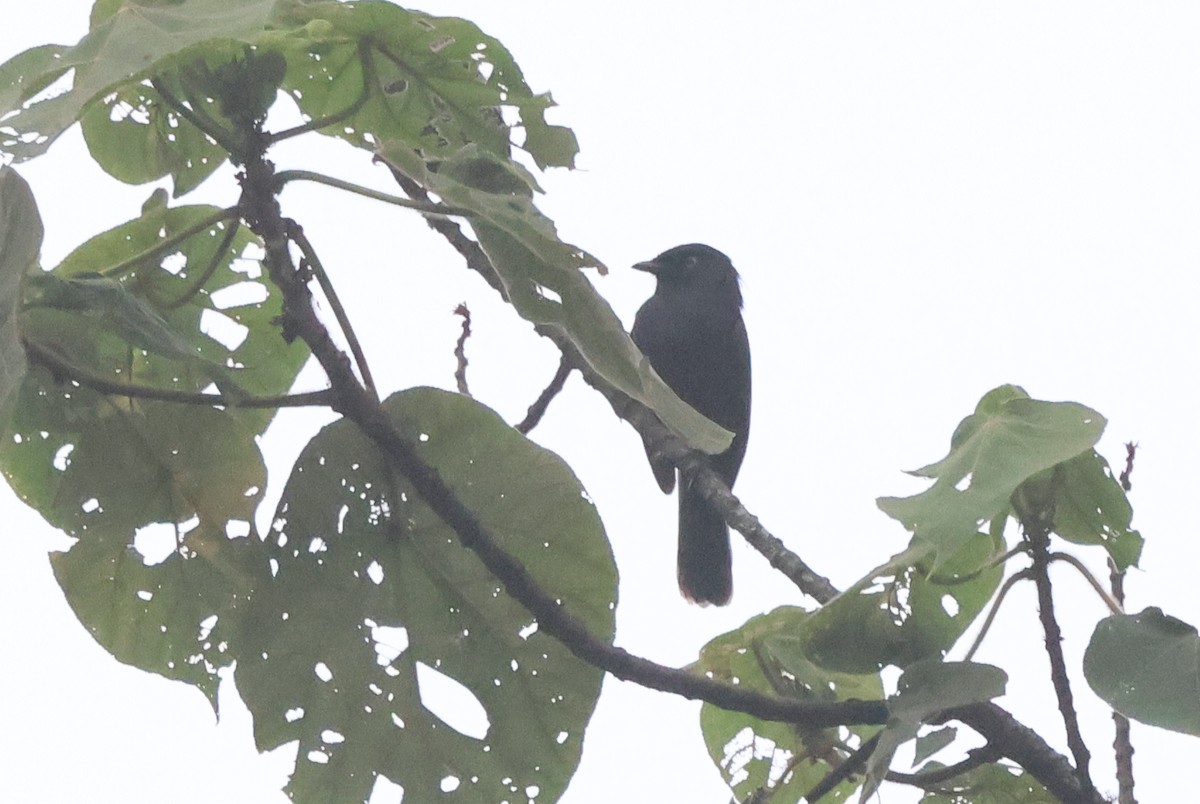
x: 460, y: 350
x: 538, y: 409
x: 1037, y: 533
x: 1122, y: 739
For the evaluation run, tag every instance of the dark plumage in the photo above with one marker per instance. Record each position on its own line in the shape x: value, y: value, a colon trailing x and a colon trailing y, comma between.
x: 691, y: 331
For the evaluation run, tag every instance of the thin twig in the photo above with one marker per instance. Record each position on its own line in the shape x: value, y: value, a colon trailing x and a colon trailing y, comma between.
x: 538, y: 409
x: 65, y: 370
x: 847, y: 768
x: 460, y: 349
x: 297, y: 236
x: 1130, y: 453
x: 932, y: 779
x: 1122, y: 738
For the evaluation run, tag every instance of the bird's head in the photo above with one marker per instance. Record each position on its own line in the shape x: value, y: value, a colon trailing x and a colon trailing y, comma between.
x: 694, y: 268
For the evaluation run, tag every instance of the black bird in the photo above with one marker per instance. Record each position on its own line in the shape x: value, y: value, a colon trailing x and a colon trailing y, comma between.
x: 691, y: 331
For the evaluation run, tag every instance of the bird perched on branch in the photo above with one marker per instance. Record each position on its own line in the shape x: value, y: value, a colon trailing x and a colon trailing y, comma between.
x: 692, y: 333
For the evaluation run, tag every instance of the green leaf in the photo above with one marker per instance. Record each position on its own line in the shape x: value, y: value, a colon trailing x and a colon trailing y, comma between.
x: 119, y: 47
x: 767, y: 654
x: 929, y: 744
x: 20, y: 242
x: 1009, y: 439
x: 1092, y: 508
x: 434, y: 83
x: 925, y: 689
x: 355, y: 550
x: 133, y: 320
x: 1147, y: 667
x: 998, y: 783
x: 203, y: 285
x: 901, y: 613
x: 543, y: 279
x: 136, y: 139
x: 929, y: 687
x: 105, y: 474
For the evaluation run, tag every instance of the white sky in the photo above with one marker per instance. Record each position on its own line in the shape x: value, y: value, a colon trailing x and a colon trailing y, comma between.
x: 925, y: 200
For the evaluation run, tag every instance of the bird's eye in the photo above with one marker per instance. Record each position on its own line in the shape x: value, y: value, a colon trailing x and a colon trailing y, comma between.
x: 691, y: 261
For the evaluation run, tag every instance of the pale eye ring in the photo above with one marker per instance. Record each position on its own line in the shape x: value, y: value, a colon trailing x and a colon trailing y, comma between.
x: 691, y: 261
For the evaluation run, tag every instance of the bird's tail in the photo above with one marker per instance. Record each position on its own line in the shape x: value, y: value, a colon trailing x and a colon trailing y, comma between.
x: 705, y: 564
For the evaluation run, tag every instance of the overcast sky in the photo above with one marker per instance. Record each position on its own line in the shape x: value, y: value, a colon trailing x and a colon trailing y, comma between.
x: 925, y: 200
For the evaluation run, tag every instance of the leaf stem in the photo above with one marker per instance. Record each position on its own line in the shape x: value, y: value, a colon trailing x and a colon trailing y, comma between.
x: 64, y: 369
x: 428, y: 208
x: 364, y: 52
x: 1113, y: 606
x: 297, y: 236
x: 198, y: 119
x: 169, y: 243
x: 987, y: 622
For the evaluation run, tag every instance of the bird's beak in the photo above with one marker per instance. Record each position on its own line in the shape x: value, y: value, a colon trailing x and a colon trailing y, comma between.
x: 650, y: 267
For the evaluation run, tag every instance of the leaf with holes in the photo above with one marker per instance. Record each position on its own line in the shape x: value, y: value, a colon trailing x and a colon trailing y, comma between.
x: 903, y: 612
x: 114, y: 476
x: 374, y: 600
x: 211, y: 292
x: 766, y: 654
x: 119, y: 48
x: 433, y: 83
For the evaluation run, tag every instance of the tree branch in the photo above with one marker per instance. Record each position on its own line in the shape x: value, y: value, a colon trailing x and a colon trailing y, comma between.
x: 261, y: 210
x: 846, y: 769
x: 654, y: 434
x: 1019, y: 743
x: 1025, y: 747
x: 460, y: 350
x: 538, y: 409
x: 931, y: 779
x: 1122, y: 740
x: 1038, y: 535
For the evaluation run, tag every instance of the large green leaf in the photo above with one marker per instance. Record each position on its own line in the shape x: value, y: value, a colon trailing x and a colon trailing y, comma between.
x: 20, y: 242
x: 111, y: 475
x: 202, y: 285
x: 1007, y: 440
x: 372, y: 590
x: 767, y: 654
x: 126, y: 41
x: 434, y: 83
x: 1147, y: 667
